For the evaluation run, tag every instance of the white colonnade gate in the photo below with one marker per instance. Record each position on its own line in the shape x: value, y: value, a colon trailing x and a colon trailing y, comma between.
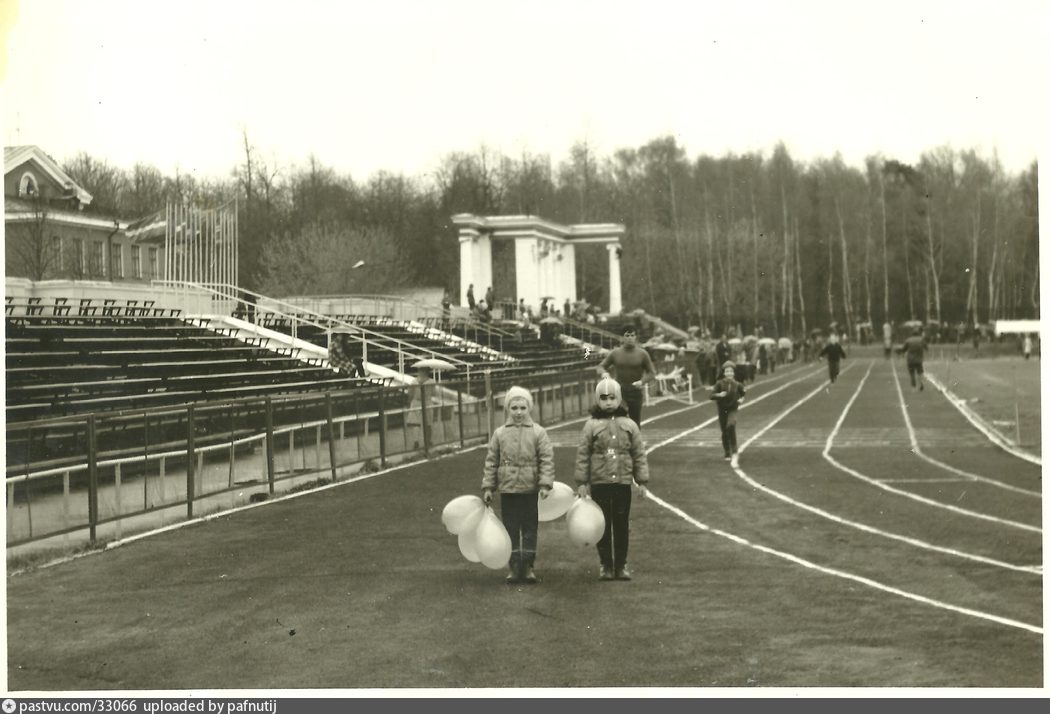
x: 544, y: 255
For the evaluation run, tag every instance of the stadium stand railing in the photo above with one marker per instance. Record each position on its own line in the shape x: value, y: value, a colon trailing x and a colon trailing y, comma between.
x: 314, y: 327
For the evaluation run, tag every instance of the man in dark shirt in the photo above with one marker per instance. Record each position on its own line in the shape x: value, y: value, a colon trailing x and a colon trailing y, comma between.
x: 834, y: 352
x: 721, y: 356
x: 915, y: 348
x: 631, y: 367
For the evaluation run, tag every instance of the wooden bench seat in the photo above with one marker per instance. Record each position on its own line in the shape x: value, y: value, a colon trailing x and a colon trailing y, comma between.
x: 90, y: 388
x: 128, y: 357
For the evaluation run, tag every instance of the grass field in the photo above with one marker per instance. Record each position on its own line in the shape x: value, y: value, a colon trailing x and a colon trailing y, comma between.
x: 837, y: 554
x: 999, y: 390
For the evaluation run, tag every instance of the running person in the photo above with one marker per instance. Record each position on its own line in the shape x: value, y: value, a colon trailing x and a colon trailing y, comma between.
x: 631, y: 367
x: 728, y: 393
x: 915, y: 347
x: 834, y: 352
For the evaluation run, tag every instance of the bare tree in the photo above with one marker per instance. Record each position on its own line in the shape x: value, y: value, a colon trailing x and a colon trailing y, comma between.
x: 35, y: 256
x: 798, y: 273
x: 879, y: 171
x: 318, y: 260
x: 847, y: 292
x: 867, y: 267
x: 831, y: 272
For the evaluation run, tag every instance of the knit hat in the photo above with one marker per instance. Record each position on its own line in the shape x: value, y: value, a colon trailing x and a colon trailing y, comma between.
x: 608, y: 385
x: 517, y: 393
x: 730, y: 364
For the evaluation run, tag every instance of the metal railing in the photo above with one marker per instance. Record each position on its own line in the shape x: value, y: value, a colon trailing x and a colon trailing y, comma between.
x: 590, y: 333
x: 474, y: 330
x: 97, y: 477
x: 394, y: 306
x: 260, y: 305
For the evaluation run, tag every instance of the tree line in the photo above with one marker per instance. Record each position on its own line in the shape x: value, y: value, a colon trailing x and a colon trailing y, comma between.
x: 738, y: 240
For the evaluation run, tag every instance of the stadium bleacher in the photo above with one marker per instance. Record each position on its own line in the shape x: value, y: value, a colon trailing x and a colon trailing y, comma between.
x: 60, y: 364
x: 138, y: 367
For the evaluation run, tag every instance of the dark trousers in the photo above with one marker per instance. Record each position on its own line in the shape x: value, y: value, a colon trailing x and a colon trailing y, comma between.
x: 520, y: 515
x: 833, y: 369
x: 727, y: 422
x: 914, y: 368
x: 615, y: 502
x: 632, y: 399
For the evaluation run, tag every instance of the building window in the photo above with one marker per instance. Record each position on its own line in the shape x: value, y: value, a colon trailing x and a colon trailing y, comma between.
x: 98, y: 262
x: 154, y: 268
x: 77, y: 265
x: 117, y: 261
x: 27, y: 186
x: 136, y: 261
x: 55, y: 261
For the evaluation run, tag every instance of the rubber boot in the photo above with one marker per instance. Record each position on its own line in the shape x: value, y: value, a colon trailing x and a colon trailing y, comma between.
x: 514, y: 576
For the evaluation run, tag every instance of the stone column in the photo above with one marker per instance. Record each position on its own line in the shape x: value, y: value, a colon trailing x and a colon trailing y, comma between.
x: 475, y: 263
x: 466, y: 263
x: 615, y: 303
x: 547, y: 285
x: 568, y: 263
x: 526, y: 271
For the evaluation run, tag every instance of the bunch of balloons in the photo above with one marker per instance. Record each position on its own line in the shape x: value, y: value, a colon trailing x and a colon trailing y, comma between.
x: 484, y: 539
x: 557, y: 503
x: 584, y: 517
x: 586, y: 522
x: 482, y: 536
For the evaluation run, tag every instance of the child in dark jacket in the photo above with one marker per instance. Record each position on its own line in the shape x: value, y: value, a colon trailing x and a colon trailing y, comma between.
x: 728, y: 393
x: 610, y: 458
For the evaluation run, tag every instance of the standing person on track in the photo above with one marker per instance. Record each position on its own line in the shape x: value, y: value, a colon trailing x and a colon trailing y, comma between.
x: 1027, y: 346
x: 632, y: 367
x: 728, y: 393
x: 915, y: 347
x: 520, y: 462
x: 722, y: 352
x: 610, y: 458
x: 834, y: 352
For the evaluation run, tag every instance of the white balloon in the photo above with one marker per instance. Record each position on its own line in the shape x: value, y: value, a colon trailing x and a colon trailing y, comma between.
x: 557, y: 502
x: 586, y: 522
x: 468, y: 545
x: 462, y: 514
x: 493, y: 541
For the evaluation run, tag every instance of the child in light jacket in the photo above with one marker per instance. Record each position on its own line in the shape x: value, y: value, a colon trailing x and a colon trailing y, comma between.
x: 609, y: 460
x: 520, y: 462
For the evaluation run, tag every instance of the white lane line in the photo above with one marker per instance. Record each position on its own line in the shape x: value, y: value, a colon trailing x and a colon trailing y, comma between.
x: 981, y: 425
x: 842, y: 574
x: 924, y: 480
x: 866, y: 479
x: 948, y: 467
x: 916, y: 497
x: 700, y: 402
x: 869, y: 529
x: 746, y: 404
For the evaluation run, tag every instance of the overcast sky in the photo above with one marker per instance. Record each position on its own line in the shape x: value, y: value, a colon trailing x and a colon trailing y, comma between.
x: 396, y: 85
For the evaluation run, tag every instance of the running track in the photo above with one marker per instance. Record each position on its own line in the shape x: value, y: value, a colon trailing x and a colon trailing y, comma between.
x: 862, y: 495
